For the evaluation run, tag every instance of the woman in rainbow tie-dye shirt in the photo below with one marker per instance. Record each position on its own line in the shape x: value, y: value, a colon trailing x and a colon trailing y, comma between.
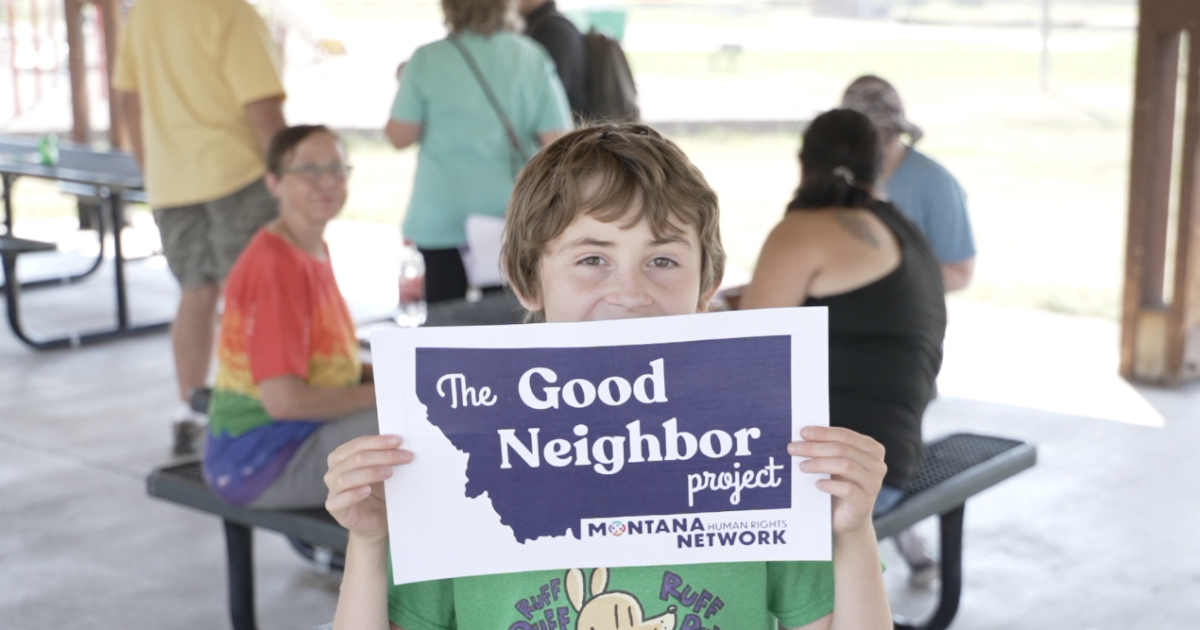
x: 290, y: 386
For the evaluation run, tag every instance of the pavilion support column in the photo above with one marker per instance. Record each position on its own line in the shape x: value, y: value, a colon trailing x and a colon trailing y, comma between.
x: 1160, y: 338
x: 1183, y: 340
x: 77, y: 67
x: 110, y: 11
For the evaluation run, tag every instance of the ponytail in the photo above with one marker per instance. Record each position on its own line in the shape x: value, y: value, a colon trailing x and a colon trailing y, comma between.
x: 841, y: 158
x: 830, y: 189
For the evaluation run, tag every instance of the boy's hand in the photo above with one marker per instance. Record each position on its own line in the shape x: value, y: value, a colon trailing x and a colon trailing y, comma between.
x: 355, y: 481
x: 855, y: 465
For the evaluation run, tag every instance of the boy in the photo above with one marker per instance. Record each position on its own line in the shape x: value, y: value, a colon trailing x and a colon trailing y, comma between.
x: 612, y: 222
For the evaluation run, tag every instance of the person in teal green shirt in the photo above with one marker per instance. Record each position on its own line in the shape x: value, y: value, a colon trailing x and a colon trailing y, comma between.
x: 467, y: 162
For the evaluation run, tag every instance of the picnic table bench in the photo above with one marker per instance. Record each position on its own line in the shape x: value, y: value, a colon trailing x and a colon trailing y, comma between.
x: 953, y: 469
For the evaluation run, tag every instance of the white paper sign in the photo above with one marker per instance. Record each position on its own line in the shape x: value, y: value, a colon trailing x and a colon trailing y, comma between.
x: 618, y: 443
x: 481, y: 257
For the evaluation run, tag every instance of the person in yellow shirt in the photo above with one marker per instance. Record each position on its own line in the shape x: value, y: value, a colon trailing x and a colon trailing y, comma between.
x: 199, y: 86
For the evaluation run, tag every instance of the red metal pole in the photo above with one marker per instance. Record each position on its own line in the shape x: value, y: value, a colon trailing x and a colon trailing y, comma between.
x: 77, y: 61
x: 53, y: 21
x: 12, y: 59
x: 37, y: 50
x: 102, y: 32
x: 109, y: 36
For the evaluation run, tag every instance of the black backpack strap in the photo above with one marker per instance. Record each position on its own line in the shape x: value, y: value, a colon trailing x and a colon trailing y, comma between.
x: 513, y: 140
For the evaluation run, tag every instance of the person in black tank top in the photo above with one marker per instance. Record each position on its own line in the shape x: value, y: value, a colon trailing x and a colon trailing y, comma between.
x: 840, y: 247
x: 885, y: 349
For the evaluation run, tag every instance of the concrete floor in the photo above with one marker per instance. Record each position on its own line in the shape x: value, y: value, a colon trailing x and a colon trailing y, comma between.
x: 1101, y: 534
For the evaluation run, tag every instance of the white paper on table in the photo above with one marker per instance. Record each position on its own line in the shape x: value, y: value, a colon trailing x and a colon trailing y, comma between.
x: 481, y: 258
x: 458, y: 510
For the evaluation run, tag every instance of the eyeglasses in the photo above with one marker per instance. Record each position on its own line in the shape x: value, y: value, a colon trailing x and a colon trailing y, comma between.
x: 313, y: 173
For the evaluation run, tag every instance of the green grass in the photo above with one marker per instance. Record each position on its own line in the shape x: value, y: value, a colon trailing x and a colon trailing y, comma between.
x: 1046, y: 173
x: 40, y: 199
x: 383, y: 10
x: 382, y: 180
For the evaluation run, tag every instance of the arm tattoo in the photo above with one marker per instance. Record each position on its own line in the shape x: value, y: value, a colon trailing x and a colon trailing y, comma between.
x: 857, y: 228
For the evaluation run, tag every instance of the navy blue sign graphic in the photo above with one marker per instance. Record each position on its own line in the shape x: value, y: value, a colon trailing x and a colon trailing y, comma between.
x: 555, y: 435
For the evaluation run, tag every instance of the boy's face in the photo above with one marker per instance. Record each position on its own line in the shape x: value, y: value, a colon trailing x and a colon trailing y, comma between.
x: 596, y: 270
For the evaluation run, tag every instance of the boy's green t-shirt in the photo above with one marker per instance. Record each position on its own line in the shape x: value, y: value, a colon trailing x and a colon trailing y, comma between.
x: 744, y: 595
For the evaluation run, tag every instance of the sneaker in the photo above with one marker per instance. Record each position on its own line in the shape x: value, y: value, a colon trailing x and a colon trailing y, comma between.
x: 922, y: 576
x: 200, y: 399
x: 923, y: 570
x: 323, y: 559
x: 189, y: 436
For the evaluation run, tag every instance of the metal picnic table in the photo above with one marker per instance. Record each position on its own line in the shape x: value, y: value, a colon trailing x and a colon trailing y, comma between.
x: 112, y: 178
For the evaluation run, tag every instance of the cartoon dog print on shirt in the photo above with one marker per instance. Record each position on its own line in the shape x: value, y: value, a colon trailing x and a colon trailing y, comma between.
x: 610, y: 610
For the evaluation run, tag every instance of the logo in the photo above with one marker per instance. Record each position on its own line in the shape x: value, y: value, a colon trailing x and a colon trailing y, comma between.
x: 616, y: 528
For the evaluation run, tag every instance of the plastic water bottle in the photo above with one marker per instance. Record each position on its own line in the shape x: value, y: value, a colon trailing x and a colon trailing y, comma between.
x: 412, y: 306
x: 48, y: 150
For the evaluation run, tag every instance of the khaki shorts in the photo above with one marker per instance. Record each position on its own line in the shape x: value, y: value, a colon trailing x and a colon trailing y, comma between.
x: 202, y: 241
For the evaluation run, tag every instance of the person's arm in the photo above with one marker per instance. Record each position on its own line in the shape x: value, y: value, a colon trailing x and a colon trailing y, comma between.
x: 406, y: 121
x: 288, y: 397
x: 854, y: 463
x: 266, y: 118
x: 786, y: 268
x: 947, y: 227
x: 957, y: 275
x: 357, y: 470
x: 403, y: 134
x: 362, y: 602
x: 129, y: 108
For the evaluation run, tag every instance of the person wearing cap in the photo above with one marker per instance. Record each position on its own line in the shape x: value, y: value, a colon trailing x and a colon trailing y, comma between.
x: 926, y: 193
x: 922, y: 189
